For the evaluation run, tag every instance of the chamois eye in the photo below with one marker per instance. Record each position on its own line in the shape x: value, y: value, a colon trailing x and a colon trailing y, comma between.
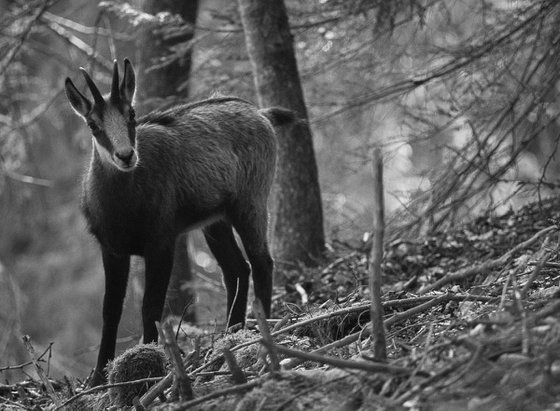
x: 94, y: 127
x: 131, y: 114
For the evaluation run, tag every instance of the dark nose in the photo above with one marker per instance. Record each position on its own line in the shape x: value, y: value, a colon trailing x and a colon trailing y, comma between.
x: 125, y: 155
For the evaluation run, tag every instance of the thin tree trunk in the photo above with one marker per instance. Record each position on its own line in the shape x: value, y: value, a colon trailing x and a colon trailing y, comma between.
x: 298, y: 234
x: 378, y: 328
x: 163, y: 83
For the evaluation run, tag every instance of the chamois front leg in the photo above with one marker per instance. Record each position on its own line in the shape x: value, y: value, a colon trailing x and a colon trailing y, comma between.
x: 116, y: 277
x: 158, y: 271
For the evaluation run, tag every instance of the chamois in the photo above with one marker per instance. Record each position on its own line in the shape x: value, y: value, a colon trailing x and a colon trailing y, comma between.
x: 206, y: 164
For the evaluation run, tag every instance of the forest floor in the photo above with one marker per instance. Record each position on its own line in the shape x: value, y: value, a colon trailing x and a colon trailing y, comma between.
x: 472, y: 318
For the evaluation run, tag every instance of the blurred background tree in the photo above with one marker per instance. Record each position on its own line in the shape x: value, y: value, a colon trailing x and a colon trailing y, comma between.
x: 298, y: 235
x: 462, y: 96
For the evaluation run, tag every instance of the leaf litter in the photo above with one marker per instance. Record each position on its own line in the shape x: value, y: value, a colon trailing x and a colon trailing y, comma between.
x: 472, y: 317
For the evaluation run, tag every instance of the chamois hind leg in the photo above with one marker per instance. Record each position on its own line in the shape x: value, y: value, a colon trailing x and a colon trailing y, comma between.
x: 116, y: 277
x: 251, y: 223
x: 159, y: 262
x: 221, y: 242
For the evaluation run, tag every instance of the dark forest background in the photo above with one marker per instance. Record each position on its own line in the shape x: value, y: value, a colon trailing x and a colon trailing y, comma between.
x: 463, y: 97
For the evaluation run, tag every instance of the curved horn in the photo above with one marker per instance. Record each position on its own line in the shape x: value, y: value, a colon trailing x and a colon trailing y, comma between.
x: 97, y: 97
x: 115, y: 93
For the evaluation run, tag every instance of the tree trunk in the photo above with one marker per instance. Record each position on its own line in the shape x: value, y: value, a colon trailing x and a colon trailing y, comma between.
x: 160, y: 87
x: 298, y: 234
x: 163, y: 83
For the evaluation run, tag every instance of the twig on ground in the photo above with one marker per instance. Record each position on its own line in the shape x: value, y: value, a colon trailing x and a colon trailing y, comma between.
x: 237, y: 374
x: 183, y: 313
x: 349, y: 339
x: 518, y: 303
x: 399, y: 317
x: 536, y: 271
x: 137, y: 404
x: 39, y: 369
x: 475, y: 357
x: 376, y: 310
x: 308, y: 390
x: 216, y: 394
x: 16, y: 367
x: 105, y: 387
x: 338, y: 261
x: 156, y: 390
x: 404, y: 302
x: 12, y: 403
x: 25, y: 364
x: 467, y: 272
x: 550, y: 310
x: 427, y: 383
x: 504, y: 294
x: 423, y: 360
x: 172, y: 349
x: 340, y: 363
x: 258, y: 310
x: 280, y: 324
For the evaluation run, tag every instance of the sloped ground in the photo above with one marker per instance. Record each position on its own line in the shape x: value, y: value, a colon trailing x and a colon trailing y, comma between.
x: 472, y: 319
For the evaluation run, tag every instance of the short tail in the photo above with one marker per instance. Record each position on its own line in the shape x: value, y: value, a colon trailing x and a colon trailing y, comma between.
x: 279, y: 116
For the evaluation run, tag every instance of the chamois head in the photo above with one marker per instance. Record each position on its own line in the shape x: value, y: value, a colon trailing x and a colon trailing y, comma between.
x: 110, y: 118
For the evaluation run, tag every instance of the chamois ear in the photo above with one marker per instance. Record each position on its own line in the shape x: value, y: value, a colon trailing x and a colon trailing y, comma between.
x: 128, y: 85
x: 79, y: 103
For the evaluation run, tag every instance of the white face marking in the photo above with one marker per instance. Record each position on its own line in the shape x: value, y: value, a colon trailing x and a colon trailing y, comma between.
x: 105, y: 155
x: 116, y: 130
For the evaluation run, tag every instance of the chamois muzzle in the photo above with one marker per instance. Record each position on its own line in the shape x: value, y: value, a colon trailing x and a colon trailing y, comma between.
x: 125, y: 159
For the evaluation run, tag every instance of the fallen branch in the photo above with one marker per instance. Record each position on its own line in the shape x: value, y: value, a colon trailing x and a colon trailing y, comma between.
x: 365, y: 332
x: 376, y: 310
x: 536, y: 271
x: 427, y: 383
x: 399, y: 317
x: 39, y: 369
x: 12, y: 403
x: 237, y: 374
x: 552, y: 309
x: 217, y: 394
x: 170, y: 346
x: 157, y: 390
x: 338, y: 261
x: 105, y: 387
x: 340, y: 363
x: 467, y: 272
x: 404, y: 302
x: 304, y: 392
x: 258, y: 310
x: 137, y: 405
x: 25, y: 364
